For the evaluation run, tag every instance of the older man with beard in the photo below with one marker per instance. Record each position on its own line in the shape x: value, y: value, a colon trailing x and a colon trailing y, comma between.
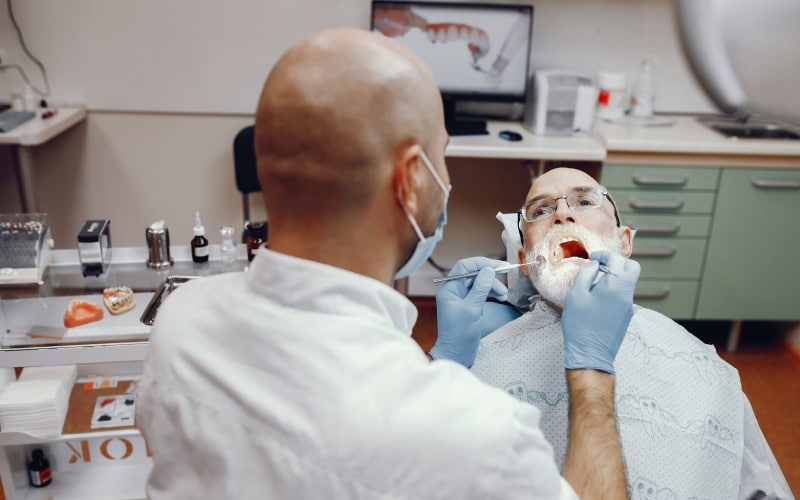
x: 686, y: 428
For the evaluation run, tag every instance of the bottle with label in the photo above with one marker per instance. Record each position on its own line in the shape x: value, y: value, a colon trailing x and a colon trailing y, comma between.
x: 199, y: 242
x: 39, y: 469
x: 643, y: 94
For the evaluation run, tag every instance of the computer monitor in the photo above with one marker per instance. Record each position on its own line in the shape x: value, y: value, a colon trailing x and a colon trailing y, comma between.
x: 477, y: 52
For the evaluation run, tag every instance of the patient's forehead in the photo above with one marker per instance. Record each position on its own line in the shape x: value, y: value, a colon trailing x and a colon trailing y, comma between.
x: 559, y: 181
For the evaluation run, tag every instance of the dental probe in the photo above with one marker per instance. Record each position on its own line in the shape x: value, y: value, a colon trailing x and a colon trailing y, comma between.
x: 501, y: 269
x: 539, y: 263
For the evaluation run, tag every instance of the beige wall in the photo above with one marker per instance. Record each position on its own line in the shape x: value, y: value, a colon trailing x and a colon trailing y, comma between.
x: 138, y: 168
x: 134, y: 169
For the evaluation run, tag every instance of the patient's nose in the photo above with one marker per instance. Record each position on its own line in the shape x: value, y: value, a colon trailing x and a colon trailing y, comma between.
x: 563, y: 213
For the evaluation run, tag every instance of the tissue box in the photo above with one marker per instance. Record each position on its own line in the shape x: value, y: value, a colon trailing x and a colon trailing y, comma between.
x: 94, y: 247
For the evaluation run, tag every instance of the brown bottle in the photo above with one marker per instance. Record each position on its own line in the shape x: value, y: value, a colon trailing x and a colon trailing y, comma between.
x: 199, y: 243
x: 39, y: 469
x: 256, y: 236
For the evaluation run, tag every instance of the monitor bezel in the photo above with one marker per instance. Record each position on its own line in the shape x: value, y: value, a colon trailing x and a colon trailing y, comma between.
x: 479, y: 95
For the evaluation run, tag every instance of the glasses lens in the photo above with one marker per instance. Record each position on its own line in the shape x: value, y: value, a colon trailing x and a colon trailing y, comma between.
x: 585, y: 198
x: 539, y: 210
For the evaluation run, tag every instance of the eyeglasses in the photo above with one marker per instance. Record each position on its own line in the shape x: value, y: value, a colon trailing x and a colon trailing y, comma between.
x: 581, y: 198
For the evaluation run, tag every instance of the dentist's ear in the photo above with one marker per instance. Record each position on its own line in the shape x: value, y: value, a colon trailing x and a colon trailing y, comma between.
x: 406, y: 176
x: 626, y: 234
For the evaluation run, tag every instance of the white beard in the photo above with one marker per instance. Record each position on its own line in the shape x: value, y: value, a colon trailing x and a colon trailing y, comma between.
x: 554, y: 277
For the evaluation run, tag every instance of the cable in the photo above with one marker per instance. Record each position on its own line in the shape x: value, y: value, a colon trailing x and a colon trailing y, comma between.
x: 33, y: 58
x: 441, y: 269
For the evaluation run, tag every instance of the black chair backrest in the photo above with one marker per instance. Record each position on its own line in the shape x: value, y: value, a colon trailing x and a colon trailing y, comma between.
x: 244, y: 161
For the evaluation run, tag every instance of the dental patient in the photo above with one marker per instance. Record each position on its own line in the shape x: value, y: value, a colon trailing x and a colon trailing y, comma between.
x: 686, y: 428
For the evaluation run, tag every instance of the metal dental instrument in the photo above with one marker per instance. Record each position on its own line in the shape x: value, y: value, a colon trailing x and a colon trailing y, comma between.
x: 501, y: 269
x: 539, y: 263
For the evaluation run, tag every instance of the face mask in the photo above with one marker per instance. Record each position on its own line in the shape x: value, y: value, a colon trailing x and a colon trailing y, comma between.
x: 425, y: 245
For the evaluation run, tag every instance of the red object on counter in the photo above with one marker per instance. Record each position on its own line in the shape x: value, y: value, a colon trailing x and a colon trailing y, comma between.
x: 81, y: 312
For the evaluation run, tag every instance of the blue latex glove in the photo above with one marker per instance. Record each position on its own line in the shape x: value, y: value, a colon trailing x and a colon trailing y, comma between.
x: 462, y: 320
x: 597, y: 312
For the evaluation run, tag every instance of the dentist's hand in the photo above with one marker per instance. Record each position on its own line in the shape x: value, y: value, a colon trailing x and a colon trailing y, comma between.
x: 597, y: 312
x: 462, y: 314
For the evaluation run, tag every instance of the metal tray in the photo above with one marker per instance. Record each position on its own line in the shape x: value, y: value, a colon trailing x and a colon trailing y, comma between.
x: 167, y: 286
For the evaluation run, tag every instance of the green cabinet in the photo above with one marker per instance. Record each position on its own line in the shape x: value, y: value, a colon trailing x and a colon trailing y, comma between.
x: 752, y: 270
x: 671, y: 209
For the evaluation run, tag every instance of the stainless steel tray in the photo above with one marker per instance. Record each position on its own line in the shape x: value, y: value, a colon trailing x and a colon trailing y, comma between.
x: 170, y: 284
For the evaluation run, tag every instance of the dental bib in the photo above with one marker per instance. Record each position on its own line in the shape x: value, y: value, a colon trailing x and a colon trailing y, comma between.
x: 679, y: 406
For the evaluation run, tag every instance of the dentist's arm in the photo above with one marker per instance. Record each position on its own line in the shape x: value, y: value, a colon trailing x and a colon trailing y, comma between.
x: 596, y: 316
x: 464, y: 316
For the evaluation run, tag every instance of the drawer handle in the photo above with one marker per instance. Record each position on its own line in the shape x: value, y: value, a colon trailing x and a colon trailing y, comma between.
x: 656, y: 205
x: 651, y: 294
x: 656, y: 229
x: 775, y: 184
x: 644, y: 180
x: 655, y: 252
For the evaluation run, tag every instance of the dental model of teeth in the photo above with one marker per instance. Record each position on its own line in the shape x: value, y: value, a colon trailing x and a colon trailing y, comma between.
x: 477, y: 39
x: 118, y: 299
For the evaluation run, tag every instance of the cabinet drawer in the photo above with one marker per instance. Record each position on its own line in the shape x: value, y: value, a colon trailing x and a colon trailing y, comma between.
x: 663, y: 226
x: 675, y: 299
x: 669, y: 258
x: 641, y: 201
x: 671, y: 178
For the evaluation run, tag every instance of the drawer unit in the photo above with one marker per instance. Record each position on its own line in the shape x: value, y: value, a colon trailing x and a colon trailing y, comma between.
x: 672, y: 210
x: 672, y: 298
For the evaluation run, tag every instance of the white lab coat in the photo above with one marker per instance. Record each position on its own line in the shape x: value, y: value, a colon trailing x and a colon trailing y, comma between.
x: 299, y: 380
x: 686, y: 428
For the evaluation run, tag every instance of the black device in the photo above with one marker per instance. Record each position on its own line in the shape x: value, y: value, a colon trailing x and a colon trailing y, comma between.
x: 510, y: 135
x: 94, y: 247
x: 476, y: 52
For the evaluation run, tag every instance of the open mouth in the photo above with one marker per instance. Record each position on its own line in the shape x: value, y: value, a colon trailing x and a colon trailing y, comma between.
x: 572, y: 248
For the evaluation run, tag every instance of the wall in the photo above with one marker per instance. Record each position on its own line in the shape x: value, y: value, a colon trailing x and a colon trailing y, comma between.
x: 134, y: 167
x: 212, y: 57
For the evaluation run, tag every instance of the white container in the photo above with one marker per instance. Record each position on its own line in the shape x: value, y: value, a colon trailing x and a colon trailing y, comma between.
x: 611, y: 95
x: 28, y: 99
x: 643, y: 94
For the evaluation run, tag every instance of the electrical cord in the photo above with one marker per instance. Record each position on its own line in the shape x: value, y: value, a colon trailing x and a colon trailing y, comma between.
x: 46, y: 92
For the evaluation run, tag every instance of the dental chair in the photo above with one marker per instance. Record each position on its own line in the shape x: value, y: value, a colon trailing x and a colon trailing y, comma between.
x: 244, y: 164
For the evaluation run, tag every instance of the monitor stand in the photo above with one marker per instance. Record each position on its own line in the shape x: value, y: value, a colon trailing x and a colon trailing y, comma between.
x: 461, y: 126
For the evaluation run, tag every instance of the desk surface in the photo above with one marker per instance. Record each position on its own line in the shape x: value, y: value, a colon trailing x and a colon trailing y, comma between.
x: 683, y: 134
x: 531, y: 147
x: 39, y: 130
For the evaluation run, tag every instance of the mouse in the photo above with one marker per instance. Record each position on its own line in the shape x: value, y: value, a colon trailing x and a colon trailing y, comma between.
x: 510, y: 135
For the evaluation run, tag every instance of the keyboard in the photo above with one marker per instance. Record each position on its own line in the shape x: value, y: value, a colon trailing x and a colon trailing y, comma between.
x: 11, y: 119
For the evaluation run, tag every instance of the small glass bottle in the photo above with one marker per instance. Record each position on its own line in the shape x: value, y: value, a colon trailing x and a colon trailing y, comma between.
x: 257, y: 235
x: 227, y: 248
x: 199, y: 242
x: 39, y: 469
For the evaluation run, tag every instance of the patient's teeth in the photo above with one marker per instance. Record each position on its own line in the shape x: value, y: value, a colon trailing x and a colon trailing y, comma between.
x: 452, y: 32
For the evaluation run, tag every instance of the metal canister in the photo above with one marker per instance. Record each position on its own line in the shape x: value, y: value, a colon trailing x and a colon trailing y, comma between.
x: 157, y: 236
